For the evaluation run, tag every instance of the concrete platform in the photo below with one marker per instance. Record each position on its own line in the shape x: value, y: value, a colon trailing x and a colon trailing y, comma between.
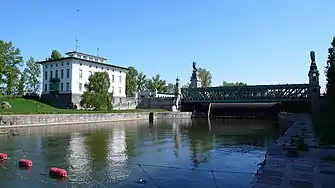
x: 305, y: 171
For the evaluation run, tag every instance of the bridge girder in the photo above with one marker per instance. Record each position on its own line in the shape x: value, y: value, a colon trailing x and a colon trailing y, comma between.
x: 247, y: 94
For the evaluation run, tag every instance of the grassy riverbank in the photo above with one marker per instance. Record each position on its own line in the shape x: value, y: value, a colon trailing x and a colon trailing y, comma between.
x: 25, y: 106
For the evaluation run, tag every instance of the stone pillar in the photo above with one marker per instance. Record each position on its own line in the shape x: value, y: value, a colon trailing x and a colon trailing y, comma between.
x: 314, y: 87
x: 195, y: 80
x: 177, y: 95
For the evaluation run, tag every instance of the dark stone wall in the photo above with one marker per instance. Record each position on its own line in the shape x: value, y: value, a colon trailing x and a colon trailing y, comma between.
x: 256, y: 110
x: 63, y: 100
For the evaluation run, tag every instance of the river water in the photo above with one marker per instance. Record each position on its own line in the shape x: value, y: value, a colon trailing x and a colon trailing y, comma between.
x: 168, y: 153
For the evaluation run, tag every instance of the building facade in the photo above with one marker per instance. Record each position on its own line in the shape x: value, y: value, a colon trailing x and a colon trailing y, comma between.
x: 64, y: 79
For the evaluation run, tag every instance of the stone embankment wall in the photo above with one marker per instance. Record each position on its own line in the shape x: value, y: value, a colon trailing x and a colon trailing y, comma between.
x: 156, y: 103
x: 54, y: 119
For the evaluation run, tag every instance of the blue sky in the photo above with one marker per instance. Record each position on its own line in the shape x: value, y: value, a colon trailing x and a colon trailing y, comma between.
x: 258, y: 42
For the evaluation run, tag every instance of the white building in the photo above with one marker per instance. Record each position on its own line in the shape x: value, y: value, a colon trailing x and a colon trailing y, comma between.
x: 155, y: 94
x: 64, y: 79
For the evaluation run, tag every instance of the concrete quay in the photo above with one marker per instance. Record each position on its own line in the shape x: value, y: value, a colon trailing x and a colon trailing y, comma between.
x: 308, y: 170
x: 14, y: 121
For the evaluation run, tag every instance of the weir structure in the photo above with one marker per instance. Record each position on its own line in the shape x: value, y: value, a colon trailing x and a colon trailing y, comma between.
x: 251, y: 100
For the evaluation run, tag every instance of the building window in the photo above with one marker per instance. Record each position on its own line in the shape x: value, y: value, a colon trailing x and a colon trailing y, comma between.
x: 68, y: 63
x: 84, y: 57
x: 46, y: 66
x: 119, y: 90
x: 112, y: 78
x: 62, y: 73
x: 91, y: 58
x: 46, y: 75
x: 120, y: 80
x: 56, y: 73
x: 96, y: 67
x: 62, y: 64
x: 51, y: 65
x: 81, y: 64
x: 45, y: 87
x: 50, y: 87
x: 79, y: 56
x: 51, y: 75
x: 80, y: 86
x: 67, y: 86
x: 112, y: 89
x: 90, y: 66
x: 67, y: 73
x: 80, y: 73
x: 61, y: 86
x: 56, y: 65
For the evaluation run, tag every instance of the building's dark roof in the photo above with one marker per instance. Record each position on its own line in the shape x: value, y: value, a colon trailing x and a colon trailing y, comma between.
x: 65, y: 58
x: 67, y: 53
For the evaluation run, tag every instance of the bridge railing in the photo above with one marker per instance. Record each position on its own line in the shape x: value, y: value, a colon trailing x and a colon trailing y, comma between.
x: 260, y: 93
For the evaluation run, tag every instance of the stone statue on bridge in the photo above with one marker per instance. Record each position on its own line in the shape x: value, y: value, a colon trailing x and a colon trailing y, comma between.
x: 195, y: 66
x: 312, y: 54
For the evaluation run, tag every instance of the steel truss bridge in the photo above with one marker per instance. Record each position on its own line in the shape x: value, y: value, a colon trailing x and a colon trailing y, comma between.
x: 247, y: 94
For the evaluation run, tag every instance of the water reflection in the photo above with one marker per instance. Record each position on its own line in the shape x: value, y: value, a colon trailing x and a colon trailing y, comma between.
x: 108, y: 153
x: 117, y: 155
x: 79, y: 159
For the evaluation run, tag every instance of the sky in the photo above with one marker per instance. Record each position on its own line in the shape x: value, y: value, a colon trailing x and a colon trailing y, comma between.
x: 257, y: 42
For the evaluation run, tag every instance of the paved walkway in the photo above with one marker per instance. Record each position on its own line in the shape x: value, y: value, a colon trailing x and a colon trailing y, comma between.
x: 305, y: 171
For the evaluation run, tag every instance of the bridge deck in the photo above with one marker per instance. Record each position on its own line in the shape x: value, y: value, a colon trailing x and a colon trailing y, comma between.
x: 242, y: 105
x: 248, y: 94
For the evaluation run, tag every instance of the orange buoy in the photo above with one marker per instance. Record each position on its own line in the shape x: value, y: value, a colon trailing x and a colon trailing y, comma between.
x: 58, y: 172
x: 3, y: 156
x: 25, y: 163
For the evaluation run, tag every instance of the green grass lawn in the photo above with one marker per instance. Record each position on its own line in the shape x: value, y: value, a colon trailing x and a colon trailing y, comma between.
x: 25, y: 106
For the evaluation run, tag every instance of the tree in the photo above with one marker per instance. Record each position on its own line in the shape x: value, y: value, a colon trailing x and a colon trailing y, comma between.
x: 141, y: 81
x: 10, y: 60
x: 96, y: 95
x: 131, y: 81
x: 55, y: 55
x: 205, y: 76
x: 225, y: 84
x: 33, y: 75
x: 171, y: 88
x: 22, y: 83
x: 156, y: 83
x: 330, y: 72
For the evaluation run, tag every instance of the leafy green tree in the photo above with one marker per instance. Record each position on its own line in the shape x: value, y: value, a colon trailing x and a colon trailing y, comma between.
x: 185, y: 86
x: 171, y: 88
x: 156, y: 83
x: 131, y: 81
x: 330, y: 72
x: 11, y: 80
x: 225, y: 84
x: 10, y: 61
x: 205, y: 76
x: 141, y: 81
x: 55, y: 55
x: 33, y: 75
x: 22, y: 83
x: 96, y: 95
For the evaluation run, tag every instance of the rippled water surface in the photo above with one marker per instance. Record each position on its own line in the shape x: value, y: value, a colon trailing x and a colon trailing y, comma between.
x: 170, y: 153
